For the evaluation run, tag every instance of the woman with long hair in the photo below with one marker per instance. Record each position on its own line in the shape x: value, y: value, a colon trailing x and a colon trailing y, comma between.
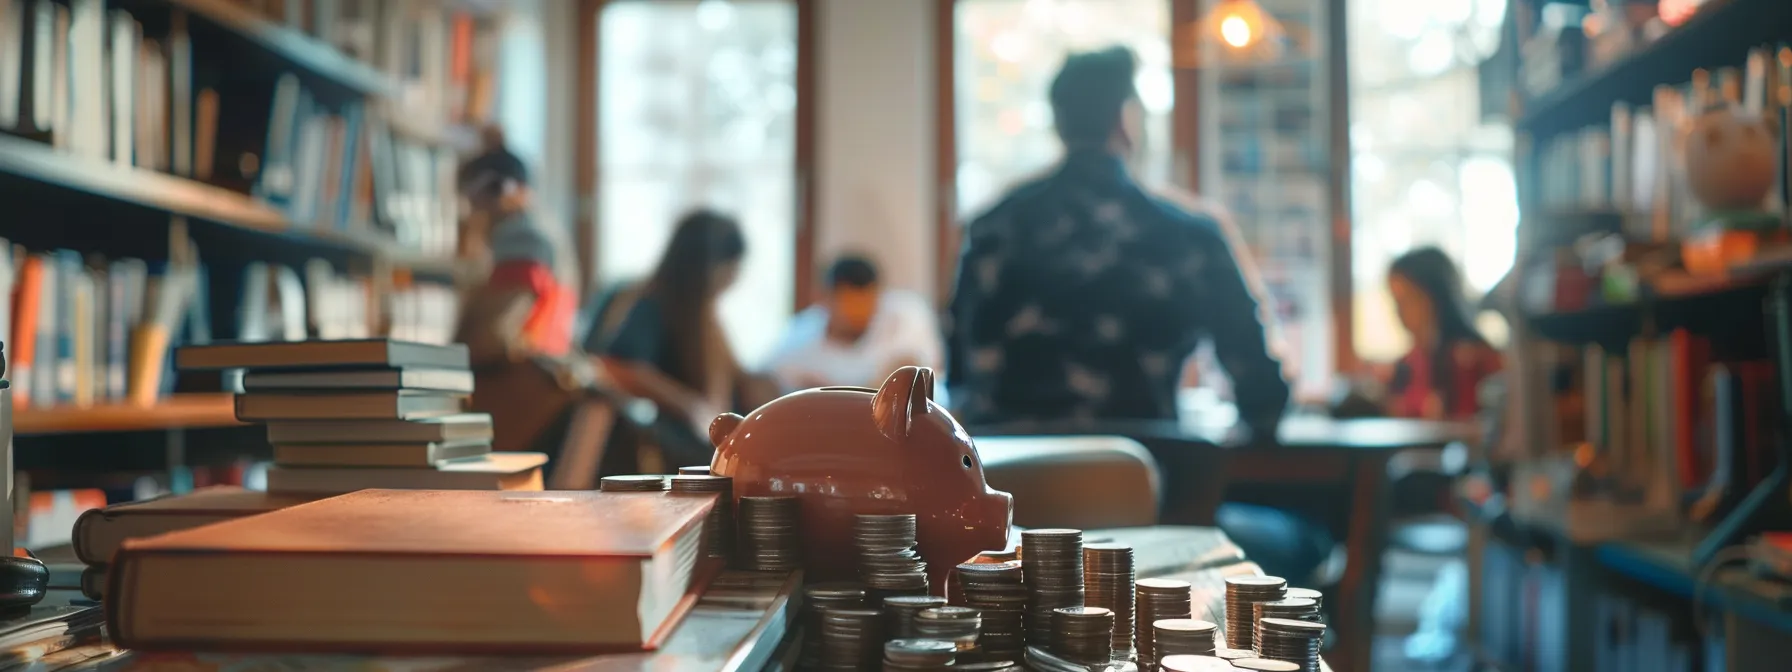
x: 665, y: 337
x: 1439, y: 377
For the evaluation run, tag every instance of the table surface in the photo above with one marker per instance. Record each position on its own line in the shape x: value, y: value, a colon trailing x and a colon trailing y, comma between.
x: 742, y: 621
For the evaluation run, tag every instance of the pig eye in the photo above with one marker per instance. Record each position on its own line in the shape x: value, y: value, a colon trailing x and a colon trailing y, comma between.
x: 967, y: 461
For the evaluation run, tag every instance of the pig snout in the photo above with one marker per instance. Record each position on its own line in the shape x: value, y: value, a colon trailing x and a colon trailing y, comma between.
x: 996, y: 507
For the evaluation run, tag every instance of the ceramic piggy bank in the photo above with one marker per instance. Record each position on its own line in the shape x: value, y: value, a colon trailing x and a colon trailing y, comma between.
x: 850, y: 450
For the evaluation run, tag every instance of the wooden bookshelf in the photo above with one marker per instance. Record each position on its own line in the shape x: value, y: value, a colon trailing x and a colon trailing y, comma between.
x: 181, y: 411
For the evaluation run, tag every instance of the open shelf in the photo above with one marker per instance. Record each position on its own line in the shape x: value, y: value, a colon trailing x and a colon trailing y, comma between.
x: 295, y: 47
x: 1667, y: 566
x: 1720, y: 34
x: 43, y: 164
x: 180, y: 411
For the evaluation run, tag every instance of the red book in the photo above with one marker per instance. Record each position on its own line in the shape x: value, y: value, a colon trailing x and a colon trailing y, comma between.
x: 419, y: 572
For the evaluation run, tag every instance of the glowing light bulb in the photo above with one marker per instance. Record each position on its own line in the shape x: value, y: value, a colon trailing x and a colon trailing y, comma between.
x: 1235, y: 30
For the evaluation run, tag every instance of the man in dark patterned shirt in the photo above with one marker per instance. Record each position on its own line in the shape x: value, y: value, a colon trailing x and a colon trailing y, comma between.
x: 1080, y: 295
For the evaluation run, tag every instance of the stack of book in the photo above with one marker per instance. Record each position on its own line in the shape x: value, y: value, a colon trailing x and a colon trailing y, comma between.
x: 99, y: 533
x: 375, y: 413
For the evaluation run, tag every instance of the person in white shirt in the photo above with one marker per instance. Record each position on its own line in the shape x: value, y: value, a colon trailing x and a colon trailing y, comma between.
x: 858, y: 334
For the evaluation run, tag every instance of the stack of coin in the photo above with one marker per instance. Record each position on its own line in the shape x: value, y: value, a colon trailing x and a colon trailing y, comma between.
x: 768, y: 534
x: 851, y: 639
x: 889, y: 564
x: 635, y: 483
x: 1158, y: 599
x: 1182, y: 637
x: 1296, y: 608
x: 958, y: 625
x: 919, y: 654
x: 1107, y: 583
x: 1187, y: 663
x: 817, y: 598
x: 1293, y: 641
x: 1242, y: 595
x: 693, y: 471
x: 900, y: 610
x: 718, y: 528
x: 1083, y: 634
x: 1052, y: 563
x: 1265, y: 665
x: 996, y: 590
x: 1317, y: 597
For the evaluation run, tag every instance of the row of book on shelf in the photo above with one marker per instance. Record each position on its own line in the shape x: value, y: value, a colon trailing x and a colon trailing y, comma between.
x: 85, y: 330
x: 1635, y: 162
x: 90, y: 82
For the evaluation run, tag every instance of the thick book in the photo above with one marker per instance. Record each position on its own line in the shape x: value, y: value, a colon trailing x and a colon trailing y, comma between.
x: 372, y: 352
x: 496, y: 471
x: 389, y: 405
x: 443, y: 380
x: 99, y: 532
x: 423, y: 454
x: 437, y: 572
x: 456, y: 427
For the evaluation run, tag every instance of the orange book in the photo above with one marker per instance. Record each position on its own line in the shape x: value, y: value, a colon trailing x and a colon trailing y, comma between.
x: 99, y: 532
x: 431, y: 571
x: 23, y: 339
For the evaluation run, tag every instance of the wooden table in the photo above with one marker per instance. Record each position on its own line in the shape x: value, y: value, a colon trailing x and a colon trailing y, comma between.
x: 1203, y: 455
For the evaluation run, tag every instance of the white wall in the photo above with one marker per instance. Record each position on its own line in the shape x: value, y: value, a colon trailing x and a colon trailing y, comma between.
x: 876, y: 137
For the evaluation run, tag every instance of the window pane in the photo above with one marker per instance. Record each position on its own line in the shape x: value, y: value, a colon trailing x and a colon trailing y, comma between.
x: 1425, y: 170
x: 698, y: 109
x: 1006, y: 54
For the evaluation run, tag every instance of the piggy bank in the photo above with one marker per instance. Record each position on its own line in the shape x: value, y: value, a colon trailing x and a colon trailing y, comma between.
x: 846, y: 451
x: 1731, y: 159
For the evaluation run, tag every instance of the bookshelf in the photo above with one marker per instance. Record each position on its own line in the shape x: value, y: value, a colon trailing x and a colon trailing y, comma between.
x: 285, y: 169
x: 1643, y: 423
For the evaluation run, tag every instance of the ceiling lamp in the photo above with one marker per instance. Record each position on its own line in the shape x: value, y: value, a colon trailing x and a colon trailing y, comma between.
x: 1233, y: 32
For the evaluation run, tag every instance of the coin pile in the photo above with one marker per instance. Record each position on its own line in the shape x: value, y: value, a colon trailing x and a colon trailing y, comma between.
x: 1183, y: 637
x: 1242, y: 595
x: 1083, y: 634
x: 1052, y: 564
x: 768, y: 534
x: 888, y: 561
x: 851, y: 639
x: 1317, y: 597
x: 1265, y: 665
x: 1295, y: 608
x: 634, y: 483
x: 820, y: 597
x: 900, y: 611
x: 718, y: 528
x: 693, y: 471
x: 1188, y: 663
x: 1293, y: 641
x: 996, y: 590
x: 1107, y: 583
x: 958, y: 625
x: 919, y: 654
x: 1158, y: 599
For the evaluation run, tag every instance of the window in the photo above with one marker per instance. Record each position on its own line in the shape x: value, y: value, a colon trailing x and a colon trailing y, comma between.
x: 1005, y: 54
x: 1425, y: 169
x: 697, y: 108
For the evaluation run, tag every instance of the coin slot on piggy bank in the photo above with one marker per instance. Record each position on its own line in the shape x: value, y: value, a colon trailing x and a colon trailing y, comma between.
x: 845, y: 451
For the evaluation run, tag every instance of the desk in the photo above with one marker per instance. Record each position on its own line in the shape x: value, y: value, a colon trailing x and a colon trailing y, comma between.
x: 1202, y: 454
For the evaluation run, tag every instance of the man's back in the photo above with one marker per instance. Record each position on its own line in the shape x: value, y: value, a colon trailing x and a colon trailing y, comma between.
x: 1080, y: 296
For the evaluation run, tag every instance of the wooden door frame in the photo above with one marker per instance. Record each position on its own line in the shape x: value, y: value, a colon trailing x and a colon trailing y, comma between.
x: 587, y: 170
x: 1185, y: 121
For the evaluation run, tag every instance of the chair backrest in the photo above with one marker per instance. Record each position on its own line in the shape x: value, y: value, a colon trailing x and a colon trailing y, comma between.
x: 1083, y: 482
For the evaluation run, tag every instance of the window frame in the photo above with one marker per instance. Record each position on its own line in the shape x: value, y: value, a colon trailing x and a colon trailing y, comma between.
x: 587, y: 137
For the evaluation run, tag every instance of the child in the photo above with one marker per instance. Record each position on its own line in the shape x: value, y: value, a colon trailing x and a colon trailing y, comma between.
x: 1439, y: 377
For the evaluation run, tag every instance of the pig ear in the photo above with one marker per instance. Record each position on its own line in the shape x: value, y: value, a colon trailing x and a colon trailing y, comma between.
x: 903, y: 396
x: 721, y: 427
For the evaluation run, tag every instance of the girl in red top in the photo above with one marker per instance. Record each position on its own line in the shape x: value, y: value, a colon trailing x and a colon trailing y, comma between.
x: 1439, y: 378
x: 524, y: 309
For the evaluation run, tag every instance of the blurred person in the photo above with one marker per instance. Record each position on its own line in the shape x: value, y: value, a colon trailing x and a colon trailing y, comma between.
x: 665, y: 336
x: 524, y: 309
x: 1440, y: 377
x: 1080, y: 295
x: 858, y: 334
